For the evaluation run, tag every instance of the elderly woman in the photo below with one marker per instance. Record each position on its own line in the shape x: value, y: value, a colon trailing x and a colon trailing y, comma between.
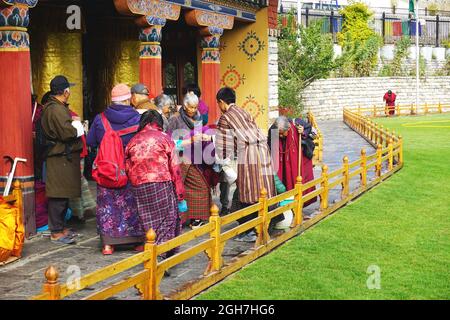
x: 198, y: 156
x: 163, y: 104
x: 287, y: 156
x: 153, y: 169
x: 117, y: 219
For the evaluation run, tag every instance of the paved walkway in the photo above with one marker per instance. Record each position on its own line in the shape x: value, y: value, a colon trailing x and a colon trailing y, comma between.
x: 25, y: 277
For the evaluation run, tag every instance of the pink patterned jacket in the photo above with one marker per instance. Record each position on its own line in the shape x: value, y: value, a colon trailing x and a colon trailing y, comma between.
x: 151, y: 157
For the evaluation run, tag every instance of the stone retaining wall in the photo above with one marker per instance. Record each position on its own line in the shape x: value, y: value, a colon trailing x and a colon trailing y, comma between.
x: 327, y: 98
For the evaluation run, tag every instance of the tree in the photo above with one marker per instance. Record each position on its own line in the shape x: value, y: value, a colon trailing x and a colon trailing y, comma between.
x: 300, y: 63
x: 359, y: 42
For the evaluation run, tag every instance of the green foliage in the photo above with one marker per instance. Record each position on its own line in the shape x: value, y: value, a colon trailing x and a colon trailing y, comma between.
x: 396, y: 67
x: 432, y: 9
x: 445, y: 70
x: 422, y: 68
x: 300, y: 63
x: 356, y: 24
x: 446, y: 44
x: 359, y: 42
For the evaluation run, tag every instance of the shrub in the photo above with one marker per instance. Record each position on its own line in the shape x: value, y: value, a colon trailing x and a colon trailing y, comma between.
x: 359, y: 42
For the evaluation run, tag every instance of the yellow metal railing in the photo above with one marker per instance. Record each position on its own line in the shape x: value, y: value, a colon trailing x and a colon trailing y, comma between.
x: 389, y: 152
x: 401, y: 110
x: 318, y: 141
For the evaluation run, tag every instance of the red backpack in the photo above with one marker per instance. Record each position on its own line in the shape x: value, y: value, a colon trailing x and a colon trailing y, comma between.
x: 108, y: 169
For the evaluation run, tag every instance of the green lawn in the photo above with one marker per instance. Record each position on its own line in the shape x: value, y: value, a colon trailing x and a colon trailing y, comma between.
x: 402, y: 226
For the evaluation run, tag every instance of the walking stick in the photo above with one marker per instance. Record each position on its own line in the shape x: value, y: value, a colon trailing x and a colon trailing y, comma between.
x: 299, y: 154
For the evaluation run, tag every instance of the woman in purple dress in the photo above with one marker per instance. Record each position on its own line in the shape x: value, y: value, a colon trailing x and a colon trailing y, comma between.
x: 117, y: 219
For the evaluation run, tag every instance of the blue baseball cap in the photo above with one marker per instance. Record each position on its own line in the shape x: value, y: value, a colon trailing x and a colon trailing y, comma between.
x: 59, y: 83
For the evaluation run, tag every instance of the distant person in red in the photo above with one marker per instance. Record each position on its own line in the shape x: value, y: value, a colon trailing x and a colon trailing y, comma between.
x: 390, y: 97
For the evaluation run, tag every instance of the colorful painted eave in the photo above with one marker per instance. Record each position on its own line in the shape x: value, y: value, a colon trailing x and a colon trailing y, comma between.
x: 212, y: 7
x: 28, y: 3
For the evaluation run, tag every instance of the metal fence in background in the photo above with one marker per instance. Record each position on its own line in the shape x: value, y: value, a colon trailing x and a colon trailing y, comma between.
x: 391, y: 27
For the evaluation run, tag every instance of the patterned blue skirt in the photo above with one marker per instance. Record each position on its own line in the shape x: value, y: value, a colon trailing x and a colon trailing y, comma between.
x: 118, y: 221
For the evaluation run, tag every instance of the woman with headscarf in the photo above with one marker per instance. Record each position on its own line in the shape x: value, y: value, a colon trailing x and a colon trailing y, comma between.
x: 198, y: 155
x: 153, y: 169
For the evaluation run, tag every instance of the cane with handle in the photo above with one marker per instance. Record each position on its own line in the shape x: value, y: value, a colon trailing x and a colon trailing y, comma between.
x: 11, y: 175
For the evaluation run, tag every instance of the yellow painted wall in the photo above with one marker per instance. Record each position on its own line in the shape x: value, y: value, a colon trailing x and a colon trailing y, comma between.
x: 62, y: 55
x: 245, y: 66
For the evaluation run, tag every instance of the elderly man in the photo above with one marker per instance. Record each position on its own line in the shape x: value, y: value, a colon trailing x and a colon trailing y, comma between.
x: 141, y: 99
x: 239, y: 135
x: 63, y: 176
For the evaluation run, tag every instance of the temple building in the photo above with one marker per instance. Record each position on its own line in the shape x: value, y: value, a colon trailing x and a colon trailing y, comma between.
x: 165, y: 44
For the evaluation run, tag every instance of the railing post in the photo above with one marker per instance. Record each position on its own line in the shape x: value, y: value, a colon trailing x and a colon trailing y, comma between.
x: 391, y: 155
x: 364, y: 168
x: 331, y: 23
x: 374, y: 111
x: 387, y: 137
x: 299, y: 208
x: 372, y: 136
x: 437, y: 31
x: 398, y: 110
x: 400, y: 154
x: 346, y: 183
x: 51, y: 286
x: 439, y: 107
x: 216, y: 258
x: 320, y: 153
x: 426, y: 108
x: 324, y: 193
x: 381, y: 135
x: 378, y: 165
x: 262, y: 229
x: 151, y: 290
x: 412, y: 109
x: 377, y: 133
x: 307, y: 17
x: 17, y: 192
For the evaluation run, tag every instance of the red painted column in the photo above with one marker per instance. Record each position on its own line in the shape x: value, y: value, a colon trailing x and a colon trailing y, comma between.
x: 16, y: 138
x: 211, y: 71
x: 150, y: 67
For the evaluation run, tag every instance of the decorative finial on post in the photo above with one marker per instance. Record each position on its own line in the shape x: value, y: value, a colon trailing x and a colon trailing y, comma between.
x: 299, y: 179
x: 51, y: 274
x: 263, y: 192
x: 214, y: 210
x: 151, y: 236
x: 16, y: 185
x: 363, y: 152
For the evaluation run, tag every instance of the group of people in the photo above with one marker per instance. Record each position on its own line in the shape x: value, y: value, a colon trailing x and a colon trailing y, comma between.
x: 173, y: 159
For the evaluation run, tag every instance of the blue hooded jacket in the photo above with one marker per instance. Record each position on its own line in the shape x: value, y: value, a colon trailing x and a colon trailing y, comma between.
x: 120, y: 117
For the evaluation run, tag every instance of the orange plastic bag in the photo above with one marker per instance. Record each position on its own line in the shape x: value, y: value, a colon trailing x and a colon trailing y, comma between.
x: 12, y: 233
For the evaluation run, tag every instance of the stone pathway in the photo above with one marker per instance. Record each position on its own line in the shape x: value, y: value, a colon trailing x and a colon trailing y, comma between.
x: 24, y: 278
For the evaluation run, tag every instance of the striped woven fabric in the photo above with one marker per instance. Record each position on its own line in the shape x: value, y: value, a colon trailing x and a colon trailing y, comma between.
x: 197, y: 193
